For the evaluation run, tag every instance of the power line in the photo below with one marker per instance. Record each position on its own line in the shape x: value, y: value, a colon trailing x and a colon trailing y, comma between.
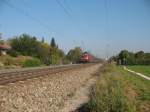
x: 19, y: 10
x: 67, y: 12
x: 64, y: 8
x: 66, y: 5
x: 25, y: 3
x: 106, y: 6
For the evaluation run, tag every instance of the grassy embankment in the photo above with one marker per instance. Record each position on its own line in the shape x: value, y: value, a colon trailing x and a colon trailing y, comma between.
x: 7, y: 62
x: 141, y: 69
x: 119, y: 91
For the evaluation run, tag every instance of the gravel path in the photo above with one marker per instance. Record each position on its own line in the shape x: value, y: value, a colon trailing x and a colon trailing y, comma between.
x: 139, y: 74
x: 81, y: 97
x: 44, y: 94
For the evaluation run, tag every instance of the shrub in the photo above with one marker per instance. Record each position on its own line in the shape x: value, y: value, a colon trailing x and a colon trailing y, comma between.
x: 8, y: 61
x: 55, y: 60
x: 65, y: 61
x: 129, y: 58
x: 32, y: 62
x: 13, y: 53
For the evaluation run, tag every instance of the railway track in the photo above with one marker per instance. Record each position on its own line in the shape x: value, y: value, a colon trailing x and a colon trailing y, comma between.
x: 11, y: 76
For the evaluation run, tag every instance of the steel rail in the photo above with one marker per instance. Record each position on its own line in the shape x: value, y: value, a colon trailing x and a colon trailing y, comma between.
x: 14, y: 76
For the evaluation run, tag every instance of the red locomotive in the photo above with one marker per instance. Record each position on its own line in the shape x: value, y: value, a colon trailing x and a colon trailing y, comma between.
x: 87, y: 57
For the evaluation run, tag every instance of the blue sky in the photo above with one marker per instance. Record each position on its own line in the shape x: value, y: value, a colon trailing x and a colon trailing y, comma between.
x: 103, y: 27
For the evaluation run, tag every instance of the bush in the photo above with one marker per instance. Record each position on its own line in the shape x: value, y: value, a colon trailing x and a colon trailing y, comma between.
x: 13, y: 53
x: 143, y: 62
x: 25, y: 45
x: 129, y: 58
x: 65, y: 61
x: 32, y: 63
x: 8, y: 61
x: 55, y: 59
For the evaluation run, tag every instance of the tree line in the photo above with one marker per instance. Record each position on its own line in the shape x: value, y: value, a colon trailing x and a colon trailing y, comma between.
x: 129, y: 58
x: 28, y: 45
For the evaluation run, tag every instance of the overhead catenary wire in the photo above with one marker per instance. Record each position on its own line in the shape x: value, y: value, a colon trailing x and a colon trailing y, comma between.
x: 64, y: 8
x: 65, y: 3
x: 67, y: 11
x: 21, y: 11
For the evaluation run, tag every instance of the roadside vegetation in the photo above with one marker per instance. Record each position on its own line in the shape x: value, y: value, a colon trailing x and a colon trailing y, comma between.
x: 7, y: 61
x: 126, y: 57
x: 32, y: 63
x: 141, y: 69
x: 119, y: 91
x: 39, y: 51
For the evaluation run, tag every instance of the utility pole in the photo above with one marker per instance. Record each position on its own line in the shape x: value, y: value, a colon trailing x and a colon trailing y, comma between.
x: 82, y: 44
x: 107, y: 51
x: 106, y: 5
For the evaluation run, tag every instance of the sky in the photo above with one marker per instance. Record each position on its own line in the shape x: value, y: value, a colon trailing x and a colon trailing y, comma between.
x: 102, y: 27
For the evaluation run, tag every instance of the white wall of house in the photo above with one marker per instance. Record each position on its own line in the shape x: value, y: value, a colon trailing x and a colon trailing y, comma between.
x: 3, y: 52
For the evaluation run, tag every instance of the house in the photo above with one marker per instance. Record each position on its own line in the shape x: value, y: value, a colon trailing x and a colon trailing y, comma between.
x: 4, y: 47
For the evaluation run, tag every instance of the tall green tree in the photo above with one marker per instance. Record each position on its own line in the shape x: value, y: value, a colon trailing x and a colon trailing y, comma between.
x: 53, y: 44
x: 123, y: 55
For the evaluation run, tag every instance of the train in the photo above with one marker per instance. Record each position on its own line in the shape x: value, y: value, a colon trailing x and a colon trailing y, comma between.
x: 87, y: 58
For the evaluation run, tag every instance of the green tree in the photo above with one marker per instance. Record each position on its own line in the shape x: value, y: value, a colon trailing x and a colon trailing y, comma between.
x: 139, y: 55
x: 147, y: 56
x: 43, y: 51
x: 74, y: 54
x: 25, y: 44
x: 56, y: 56
x: 130, y: 58
x: 123, y: 55
x: 30, y: 46
x: 53, y: 44
x: 1, y: 41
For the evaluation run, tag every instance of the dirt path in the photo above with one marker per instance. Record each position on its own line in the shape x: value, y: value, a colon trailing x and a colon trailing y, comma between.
x: 139, y: 74
x: 81, y: 96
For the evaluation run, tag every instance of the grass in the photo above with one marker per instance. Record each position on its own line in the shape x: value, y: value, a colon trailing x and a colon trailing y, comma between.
x: 119, y: 91
x: 32, y: 63
x: 141, y: 87
x: 141, y: 69
x: 9, y: 62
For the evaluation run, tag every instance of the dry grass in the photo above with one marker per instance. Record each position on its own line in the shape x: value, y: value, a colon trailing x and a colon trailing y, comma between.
x: 10, y: 62
x: 118, y: 91
x: 108, y: 94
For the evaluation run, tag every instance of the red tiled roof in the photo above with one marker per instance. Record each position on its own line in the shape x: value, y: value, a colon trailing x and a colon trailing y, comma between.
x: 5, y: 46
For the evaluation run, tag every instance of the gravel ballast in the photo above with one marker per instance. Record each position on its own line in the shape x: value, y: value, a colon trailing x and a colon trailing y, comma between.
x: 44, y: 94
